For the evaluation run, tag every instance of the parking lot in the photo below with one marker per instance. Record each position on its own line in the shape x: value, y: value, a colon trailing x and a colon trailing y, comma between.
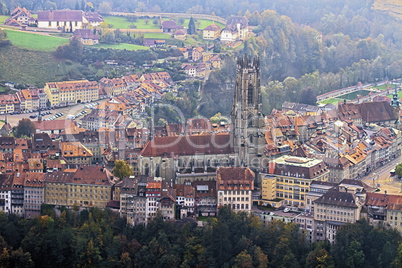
x: 77, y: 111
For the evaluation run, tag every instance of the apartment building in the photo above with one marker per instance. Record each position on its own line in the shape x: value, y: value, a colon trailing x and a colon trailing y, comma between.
x: 71, y: 92
x: 234, y: 187
x: 289, y: 178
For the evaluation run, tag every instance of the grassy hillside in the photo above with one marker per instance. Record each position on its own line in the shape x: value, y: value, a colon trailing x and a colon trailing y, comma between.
x: 33, y: 41
x: 31, y: 67
x: 3, y: 19
x: 121, y: 46
x: 201, y: 24
x: 123, y: 23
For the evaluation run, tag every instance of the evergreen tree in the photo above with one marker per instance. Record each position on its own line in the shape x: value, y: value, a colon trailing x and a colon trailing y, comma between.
x: 191, y: 26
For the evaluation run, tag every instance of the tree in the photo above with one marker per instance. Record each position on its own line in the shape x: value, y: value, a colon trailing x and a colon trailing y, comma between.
x: 308, y: 96
x: 398, y: 170
x: 243, y: 260
x: 355, y: 256
x: 3, y: 37
x: 25, y: 128
x: 191, y: 26
x: 73, y: 51
x: 122, y: 169
x: 3, y: 8
x: 105, y: 7
x: 319, y: 256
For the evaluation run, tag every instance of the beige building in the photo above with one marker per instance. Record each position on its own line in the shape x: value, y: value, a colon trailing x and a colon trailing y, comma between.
x: 33, y: 193
x: 290, y: 177
x: 384, y: 210
x: 211, y: 32
x: 8, y: 103
x: 333, y: 210
x: 88, y: 186
x: 234, y: 187
x: 76, y: 153
x: 71, y: 92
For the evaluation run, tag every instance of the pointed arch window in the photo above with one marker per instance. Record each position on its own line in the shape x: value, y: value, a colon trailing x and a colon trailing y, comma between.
x: 250, y: 92
x: 157, y: 171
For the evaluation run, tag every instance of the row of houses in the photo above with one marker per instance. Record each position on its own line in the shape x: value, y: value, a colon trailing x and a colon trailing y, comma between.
x: 334, y: 205
x: 23, y: 100
x: 145, y: 88
x: 236, y: 28
x: 136, y: 198
x: 352, y: 140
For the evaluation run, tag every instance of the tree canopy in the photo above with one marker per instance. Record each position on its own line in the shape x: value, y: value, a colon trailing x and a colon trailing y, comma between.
x: 25, y: 128
x: 122, y: 169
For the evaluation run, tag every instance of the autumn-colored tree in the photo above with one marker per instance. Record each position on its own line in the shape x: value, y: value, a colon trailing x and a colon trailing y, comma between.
x: 122, y: 169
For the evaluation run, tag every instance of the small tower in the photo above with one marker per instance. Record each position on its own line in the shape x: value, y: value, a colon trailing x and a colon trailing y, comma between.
x: 247, y: 119
x: 395, y: 103
x: 395, y: 99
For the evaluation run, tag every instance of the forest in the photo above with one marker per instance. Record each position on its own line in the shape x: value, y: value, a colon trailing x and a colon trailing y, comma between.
x: 99, y: 238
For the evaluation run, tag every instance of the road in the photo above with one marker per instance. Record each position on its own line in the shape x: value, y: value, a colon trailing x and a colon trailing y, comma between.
x: 381, y: 176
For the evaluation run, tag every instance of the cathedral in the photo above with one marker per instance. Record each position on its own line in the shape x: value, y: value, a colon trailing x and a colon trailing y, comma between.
x: 196, y: 157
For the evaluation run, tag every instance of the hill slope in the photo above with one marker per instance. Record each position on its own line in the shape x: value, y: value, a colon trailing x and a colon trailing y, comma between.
x: 393, y: 7
x: 31, y: 67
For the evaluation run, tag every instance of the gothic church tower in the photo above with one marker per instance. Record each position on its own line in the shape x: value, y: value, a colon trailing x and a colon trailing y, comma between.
x: 247, y: 118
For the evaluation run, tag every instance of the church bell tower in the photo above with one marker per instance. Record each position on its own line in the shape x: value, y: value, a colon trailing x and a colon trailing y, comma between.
x: 247, y: 118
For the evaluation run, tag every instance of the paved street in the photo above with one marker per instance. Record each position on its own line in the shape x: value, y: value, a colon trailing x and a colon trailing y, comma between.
x: 382, y: 177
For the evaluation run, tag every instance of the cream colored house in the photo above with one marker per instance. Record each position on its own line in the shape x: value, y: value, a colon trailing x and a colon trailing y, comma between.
x: 211, y: 32
x: 66, y: 20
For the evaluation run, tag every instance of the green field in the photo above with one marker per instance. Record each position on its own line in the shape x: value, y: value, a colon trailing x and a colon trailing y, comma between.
x: 121, y: 46
x: 353, y: 95
x: 201, y: 24
x: 3, y: 19
x: 123, y: 23
x: 157, y: 35
x: 332, y: 100
x: 3, y: 89
x: 399, y: 94
x: 382, y: 87
x: 35, y: 41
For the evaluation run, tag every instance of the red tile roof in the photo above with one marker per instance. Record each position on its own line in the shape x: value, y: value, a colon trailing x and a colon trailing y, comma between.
x: 188, y: 145
x: 60, y: 15
x: 54, y: 124
x: 235, y: 178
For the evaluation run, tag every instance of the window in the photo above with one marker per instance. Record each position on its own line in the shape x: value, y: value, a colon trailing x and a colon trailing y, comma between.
x: 250, y: 94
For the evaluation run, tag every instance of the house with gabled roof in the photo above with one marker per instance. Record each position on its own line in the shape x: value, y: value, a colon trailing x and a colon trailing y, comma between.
x: 169, y: 26
x: 66, y: 20
x: 211, y: 32
x: 236, y: 29
x: 91, y: 186
x: 333, y: 210
x: 53, y: 127
x: 86, y: 36
x: 234, y: 187
x: 19, y: 16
